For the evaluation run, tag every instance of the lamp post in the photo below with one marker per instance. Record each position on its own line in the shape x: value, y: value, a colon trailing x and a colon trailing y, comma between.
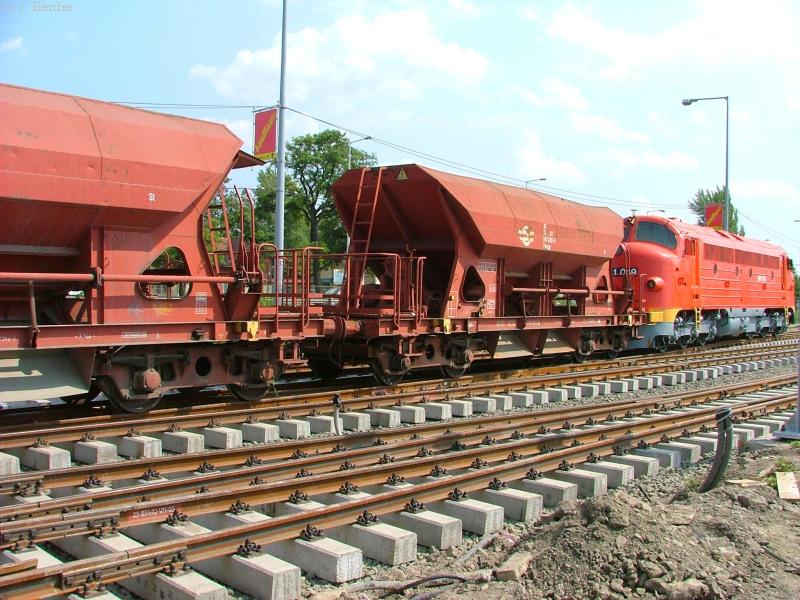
x: 527, y: 181
x: 350, y: 149
x: 727, y: 203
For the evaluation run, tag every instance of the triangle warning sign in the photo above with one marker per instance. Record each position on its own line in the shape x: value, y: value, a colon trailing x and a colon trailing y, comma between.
x: 401, y: 176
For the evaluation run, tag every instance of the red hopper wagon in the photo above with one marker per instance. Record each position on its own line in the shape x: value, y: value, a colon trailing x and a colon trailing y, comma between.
x: 443, y: 269
x: 123, y: 266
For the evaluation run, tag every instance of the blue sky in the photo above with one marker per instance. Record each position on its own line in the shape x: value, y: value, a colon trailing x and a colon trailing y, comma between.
x: 586, y: 94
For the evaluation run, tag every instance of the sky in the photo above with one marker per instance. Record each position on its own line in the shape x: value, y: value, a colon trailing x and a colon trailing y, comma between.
x: 585, y: 94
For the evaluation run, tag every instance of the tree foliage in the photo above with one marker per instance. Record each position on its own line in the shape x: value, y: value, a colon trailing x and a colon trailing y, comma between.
x: 315, y: 161
x: 716, y: 196
x: 294, y: 226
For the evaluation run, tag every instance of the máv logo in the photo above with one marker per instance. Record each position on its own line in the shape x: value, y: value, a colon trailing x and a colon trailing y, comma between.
x: 525, y: 235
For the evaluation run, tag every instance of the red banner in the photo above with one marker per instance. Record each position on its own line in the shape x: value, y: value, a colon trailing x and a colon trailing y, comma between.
x: 265, y: 135
x: 714, y: 216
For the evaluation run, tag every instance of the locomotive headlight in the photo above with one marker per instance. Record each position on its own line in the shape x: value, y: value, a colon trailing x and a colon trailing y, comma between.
x: 655, y: 284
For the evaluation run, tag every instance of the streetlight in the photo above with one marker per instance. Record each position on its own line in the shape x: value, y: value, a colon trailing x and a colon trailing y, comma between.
x: 726, y: 206
x: 527, y: 181
x: 350, y: 149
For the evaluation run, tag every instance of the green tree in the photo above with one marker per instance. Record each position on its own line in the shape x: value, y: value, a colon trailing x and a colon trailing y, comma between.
x: 717, y: 196
x: 315, y: 161
x: 295, y: 228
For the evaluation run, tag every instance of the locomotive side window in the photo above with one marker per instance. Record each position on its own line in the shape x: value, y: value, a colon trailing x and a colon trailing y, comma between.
x: 472, y: 290
x: 171, y: 262
x: 655, y: 233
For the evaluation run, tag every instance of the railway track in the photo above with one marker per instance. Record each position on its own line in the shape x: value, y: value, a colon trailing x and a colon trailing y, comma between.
x: 126, y: 521
x: 408, y: 486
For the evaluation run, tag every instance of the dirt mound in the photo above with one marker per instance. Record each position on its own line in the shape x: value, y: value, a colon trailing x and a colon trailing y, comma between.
x: 655, y: 538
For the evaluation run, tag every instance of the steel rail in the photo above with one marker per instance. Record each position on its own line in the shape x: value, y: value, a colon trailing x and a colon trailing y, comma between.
x: 44, y: 529
x: 52, y: 511
x: 263, y: 460
x: 193, y: 504
x: 152, y: 558
x: 236, y: 413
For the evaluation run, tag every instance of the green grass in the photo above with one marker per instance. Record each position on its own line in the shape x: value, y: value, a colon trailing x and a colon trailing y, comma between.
x: 783, y: 465
x: 795, y: 444
x: 692, y: 483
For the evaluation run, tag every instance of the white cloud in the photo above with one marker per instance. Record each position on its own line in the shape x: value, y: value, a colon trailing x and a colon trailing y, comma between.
x: 14, y: 43
x: 530, y: 14
x: 605, y: 128
x: 556, y: 93
x: 356, y: 57
x: 721, y: 32
x: 668, y: 161
x: 464, y: 7
x: 766, y: 189
x: 241, y: 128
x: 533, y: 162
x: 661, y: 125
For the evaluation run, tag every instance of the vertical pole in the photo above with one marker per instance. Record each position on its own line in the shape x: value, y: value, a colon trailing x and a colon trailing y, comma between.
x: 727, y: 208
x: 280, y: 186
x: 349, y: 166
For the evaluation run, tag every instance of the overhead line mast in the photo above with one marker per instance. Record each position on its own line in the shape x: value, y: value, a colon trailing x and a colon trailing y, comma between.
x: 280, y: 187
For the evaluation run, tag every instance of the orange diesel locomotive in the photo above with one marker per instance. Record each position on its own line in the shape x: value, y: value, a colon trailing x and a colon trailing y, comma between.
x: 697, y: 283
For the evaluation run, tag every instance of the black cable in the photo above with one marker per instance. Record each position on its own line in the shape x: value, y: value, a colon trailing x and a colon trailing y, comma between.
x: 723, y: 452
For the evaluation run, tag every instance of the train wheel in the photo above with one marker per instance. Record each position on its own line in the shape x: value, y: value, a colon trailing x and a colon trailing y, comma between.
x: 251, y: 393
x: 125, y: 404
x: 612, y: 354
x: 661, y: 343
x: 81, y: 399
x: 454, y: 372
x: 579, y: 357
x: 583, y: 351
x: 683, y: 342
x: 324, y: 369
x: 382, y: 377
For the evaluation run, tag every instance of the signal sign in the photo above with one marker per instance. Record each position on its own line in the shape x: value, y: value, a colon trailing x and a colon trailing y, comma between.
x: 714, y: 214
x: 264, y: 140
